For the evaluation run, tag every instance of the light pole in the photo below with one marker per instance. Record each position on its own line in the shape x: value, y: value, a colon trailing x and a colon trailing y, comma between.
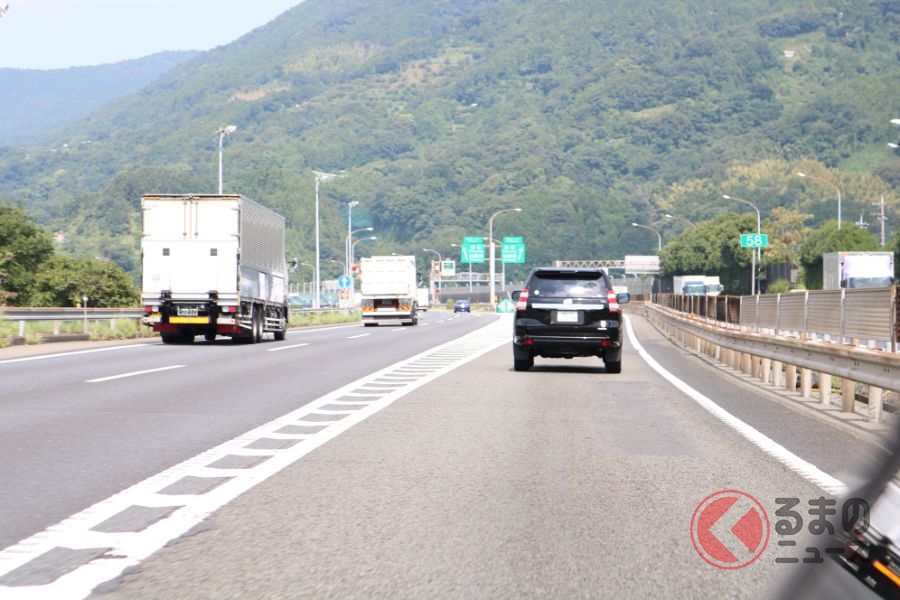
x: 340, y: 262
x: 825, y: 181
x: 658, y: 236
x: 440, y: 269
x: 312, y: 268
x: 350, y: 206
x: 353, y: 244
x: 223, y: 131
x: 492, y: 269
x: 688, y: 221
x: 350, y: 247
x: 320, y: 177
x: 756, y: 251
x: 470, y: 267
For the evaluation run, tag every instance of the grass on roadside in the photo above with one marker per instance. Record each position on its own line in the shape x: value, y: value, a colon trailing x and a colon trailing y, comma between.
x: 324, y: 318
x: 120, y: 329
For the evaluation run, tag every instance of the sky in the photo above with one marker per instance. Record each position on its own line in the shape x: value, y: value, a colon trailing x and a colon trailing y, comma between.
x: 55, y: 34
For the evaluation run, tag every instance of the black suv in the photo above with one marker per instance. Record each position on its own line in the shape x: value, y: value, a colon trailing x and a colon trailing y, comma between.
x: 563, y: 313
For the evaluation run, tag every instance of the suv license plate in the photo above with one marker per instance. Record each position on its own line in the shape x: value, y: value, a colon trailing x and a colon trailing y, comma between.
x: 187, y: 311
x: 567, y: 316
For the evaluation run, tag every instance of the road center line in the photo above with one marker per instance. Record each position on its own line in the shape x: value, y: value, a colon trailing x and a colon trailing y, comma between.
x: 133, y: 373
x: 353, y: 337
x: 278, y: 349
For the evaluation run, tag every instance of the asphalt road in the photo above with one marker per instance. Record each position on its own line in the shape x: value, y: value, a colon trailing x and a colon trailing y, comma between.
x: 560, y: 482
x: 69, y: 437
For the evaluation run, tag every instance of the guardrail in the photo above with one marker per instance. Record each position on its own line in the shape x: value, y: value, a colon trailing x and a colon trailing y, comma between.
x: 788, y: 355
x: 858, y: 316
x: 59, y: 315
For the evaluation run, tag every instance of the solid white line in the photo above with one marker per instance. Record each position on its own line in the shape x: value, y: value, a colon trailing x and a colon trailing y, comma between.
x: 805, y: 469
x: 353, y: 337
x: 132, y: 374
x: 280, y: 348
x: 73, y: 353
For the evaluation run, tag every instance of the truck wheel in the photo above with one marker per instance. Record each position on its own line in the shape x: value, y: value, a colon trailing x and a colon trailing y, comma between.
x: 613, y: 366
x: 169, y: 338
x: 281, y: 334
x: 210, y: 336
x: 257, y: 325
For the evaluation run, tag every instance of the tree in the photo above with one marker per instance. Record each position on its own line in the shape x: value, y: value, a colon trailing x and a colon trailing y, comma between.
x: 713, y: 248
x: 5, y: 258
x: 786, y: 232
x: 64, y: 280
x: 828, y: 238
x: 26, y: 246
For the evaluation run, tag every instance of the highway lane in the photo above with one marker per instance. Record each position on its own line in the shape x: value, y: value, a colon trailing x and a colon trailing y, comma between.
x: 68, y: 443
x: 564, y: 481
x: 560, y: 482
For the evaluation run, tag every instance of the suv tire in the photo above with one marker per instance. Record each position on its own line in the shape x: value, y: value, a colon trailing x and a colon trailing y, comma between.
x: 523, y: 360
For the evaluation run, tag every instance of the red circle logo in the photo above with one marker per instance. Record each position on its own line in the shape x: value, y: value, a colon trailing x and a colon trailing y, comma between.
x: 730, y: 529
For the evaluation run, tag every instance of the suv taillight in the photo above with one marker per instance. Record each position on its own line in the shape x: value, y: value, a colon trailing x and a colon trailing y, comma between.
x: 522, y: 303
x: 613, y: 301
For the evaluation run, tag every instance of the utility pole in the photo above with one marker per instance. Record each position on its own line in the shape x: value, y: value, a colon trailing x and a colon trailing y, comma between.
x: 881, y: 218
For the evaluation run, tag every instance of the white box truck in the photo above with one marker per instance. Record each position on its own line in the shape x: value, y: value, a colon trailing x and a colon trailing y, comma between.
x: 713, y: 285
x: 388, y: 289
x: 212, y: 265
x: 689, y: 285
x: 857, y: 269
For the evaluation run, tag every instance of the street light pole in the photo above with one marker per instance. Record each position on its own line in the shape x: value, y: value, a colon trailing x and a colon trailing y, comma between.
x: 756, y: 251
x: 350, y: 206
x: 440, y: 268
x: 320, y: 177
x: 470, y: 268
x: 353, y: 245
x: 688, y: 221
x: 658, y: 236
x: 350, y: 247
x: 223, y: 131
x: 492, y: 269
x: 836, y: 189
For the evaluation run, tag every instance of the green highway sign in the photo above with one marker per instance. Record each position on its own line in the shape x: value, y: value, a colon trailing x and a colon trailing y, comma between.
x: 754, y: 240
x: 512, y: 250
x: 472, y: 250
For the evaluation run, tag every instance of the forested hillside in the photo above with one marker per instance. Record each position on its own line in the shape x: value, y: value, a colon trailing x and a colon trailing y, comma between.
x: 37, y: 103
x: 589, y: 114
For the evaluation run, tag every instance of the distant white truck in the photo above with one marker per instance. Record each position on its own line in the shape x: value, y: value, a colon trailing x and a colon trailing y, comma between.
x: 212, y: 265
x: 713, y: 285
x: 689, y: 285
x: 857, y: 269
x: 423, y: 298
x: 389, y: 291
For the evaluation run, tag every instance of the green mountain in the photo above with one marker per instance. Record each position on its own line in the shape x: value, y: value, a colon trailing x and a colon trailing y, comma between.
x: 588, y: 114
x: 37, y: 103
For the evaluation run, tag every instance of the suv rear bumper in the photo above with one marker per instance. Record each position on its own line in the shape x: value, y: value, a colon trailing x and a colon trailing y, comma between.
x: 562, y: 346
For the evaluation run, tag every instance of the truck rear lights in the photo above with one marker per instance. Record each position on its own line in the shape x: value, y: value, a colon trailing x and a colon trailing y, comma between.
x: 228, y: 309
x: 151, y: 309
x: 522, y: 303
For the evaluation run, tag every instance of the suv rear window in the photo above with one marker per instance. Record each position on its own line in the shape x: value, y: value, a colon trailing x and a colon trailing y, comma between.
x: 555, y: 284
